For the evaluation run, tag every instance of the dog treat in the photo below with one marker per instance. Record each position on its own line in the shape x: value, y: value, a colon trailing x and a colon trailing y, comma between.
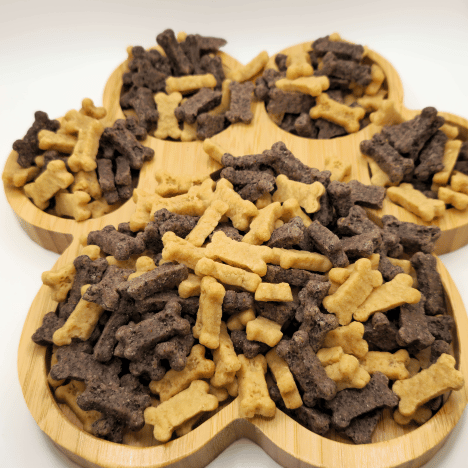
x: 240, y: 102
x: 311, y: 85
x: 347, y: 373
x: 298, y: 65
x: 391, y: 365
x: 203, y: 101
x: 244, y: 346
x: 167, y: 121
x: 280, y: 292
x: 73, y: 205
x: 313, y: 419
x: 440, y: 327
x: 262, y: 225
x: 350, y: 338
x: 327, y: 243
x: 380, y: 332
x: 263, y: 330
x: 50, y: 323
x: 190, y: 286
x: 244, y: 73
x: 361, y: 428
x: 432, y: 382
x: 179, y: 250
x: 308, y: 196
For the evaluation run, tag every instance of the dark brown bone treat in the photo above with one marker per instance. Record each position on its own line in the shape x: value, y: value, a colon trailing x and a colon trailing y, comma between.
x: 326, y: 214
x: 108, y: 428
x: 438, y: 348
x: 123, y: 175
x: 253, y: 192
x: 414, y: 332
x: 328, y: 130
x: 261, y: 89
x: 148, y: 366
x: 293, y: 276
x: 105, y: 293
x: 202, y: 101
x: 213, y: 65
x: 356, y: 222
x: 209, y: 125
x: 305, y: 126
x: 181, y: 225
x: 440, y: 326
x: 179, y: 61
x: 340, y: 197
x: 166, y: 276
x: 429, y: 283
x: 387, y: 157
x: 327, y: 243
x: 413, y: 237
x: 50, y: 323
x: 280, y: 60
x: 371, y: 196
x: 107, y: 181
x: 430, y: 157
x: 380, y: 332
x: 142, y: 101
x: 279, y: 312
x: 361, y: 428
x: 122, y: 403
x: 209, y: 43
x: 362, y: 245
x: 241, y: 100
x: 73, y: 363
x: 229, y: 230
x: 153, y: 56
x: 252, y: 162
x: 126, y: 144
x: 244, y: 177
x: 312, y: 418
x: 234, y: 302
x: 288, y: 102
x: 388, y: 269
x: 28, y: 147
x: 248, y: 348
x: 124, y: 228
x: 191, y: 49
x: 343, y: 50
x: 138, y: 130
x: 175, y: 351
x: 348, y: 70
x: 157, y: 302
x: 409, y: 137
x: 147, y: 77
x: 152, y: 238
x: 306, y: 368
x: 139, y: 338
x: 117, y: 244
x: 288, y: 235
x: 352, y: 402
x: 87, y: 272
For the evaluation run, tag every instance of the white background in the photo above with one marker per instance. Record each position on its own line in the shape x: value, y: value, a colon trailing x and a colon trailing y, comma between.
x: 55, y: 53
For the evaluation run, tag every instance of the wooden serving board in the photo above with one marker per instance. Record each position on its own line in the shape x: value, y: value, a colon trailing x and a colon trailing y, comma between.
x: 282, y: 438
x: 239, y: 139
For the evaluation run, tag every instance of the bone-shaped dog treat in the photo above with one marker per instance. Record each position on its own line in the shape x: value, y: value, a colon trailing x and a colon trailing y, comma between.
x: 188, y: 84
x: 298, y: 65
x: 264, y: 330
x: 348, y: 373
x: 181, y: 251
x: 226, y: 361
x: 280, y: 292
x: 350, y: 338
x: 244, y: 346
x: 430, y: 383
x: 263, y: 224
x: 391, y: 365
x: 203, y: 101
x: 74, y: 205
x: 244, y: 73
x: 312, y: 85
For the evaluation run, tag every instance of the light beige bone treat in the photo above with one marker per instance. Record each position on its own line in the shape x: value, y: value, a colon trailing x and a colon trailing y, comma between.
x: 307, y: 195
x: 197, y: 367
x: 263, y: 201
x: 92, y: 251
x: 233, y: 388
x: 68, y: 394
x: 328, y: 356
x: 168, y: 125
x: 290, y: 258
x: 392, y: 365
x: 18, y: 176
x: 60, y: 281
x: 338, y: 275
x: 313, y: 85
x: 372, y: 103
x: 228, y: 274
x: 189, y: 83
x: 180, y: 251
x: 225, y: 99
x: 413, y: 367
x: 354, y: 291
x: 420, y: 416
x: 180, y: 408
x: 143, y: 264
x: 378, y: 77
x: 226, y: 361
x: 340, y: 114
x: 239, y: 254
x: 451, y: 152
x: 73, y: 205
x: 213, y: 150
x: 89, y: 130
x: 450, y: 130
x: 298, y: 65
x: 339, y: 169
x: 53, y: 360
x: 170, y: 184
x: 186, y: 204
x: 142, y: 214
x: 256, y: 65
x: 57, y: 141
x: 100, y: 207
x: 428, y: 384
x: 292, y: 209
x: 277, y: 292
x: 458, y: 200
x: 459, y: 182
x: 416, y: 202
x: 424, y: 357
x: 87, y: 182
x: 264, y: 330
x: 254, y: 398
x: 88, y: 108
x: 240, y: 211
x: 378, y: 177
x: 81, y: 322
x: 206, y: 224
x: 189, y: 132
x: 284, y: 380
x: 54, y: 178
x: 347, y: 373
x: 190, y: 287
x: 349, y: 337
x: 208, y: 324
x: 263, y: 224
x: 389, y: 295
x: 239, y: 320
x: 387, y: 114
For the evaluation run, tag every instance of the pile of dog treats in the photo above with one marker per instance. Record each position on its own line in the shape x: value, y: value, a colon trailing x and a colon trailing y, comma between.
x: 285, y: 296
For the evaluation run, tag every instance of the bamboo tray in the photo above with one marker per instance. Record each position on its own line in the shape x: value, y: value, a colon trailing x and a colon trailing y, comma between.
x: 55, y: 233
x: 283, y: 439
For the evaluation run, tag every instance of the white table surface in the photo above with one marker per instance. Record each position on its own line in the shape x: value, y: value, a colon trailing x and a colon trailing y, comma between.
x: 55, y: 53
